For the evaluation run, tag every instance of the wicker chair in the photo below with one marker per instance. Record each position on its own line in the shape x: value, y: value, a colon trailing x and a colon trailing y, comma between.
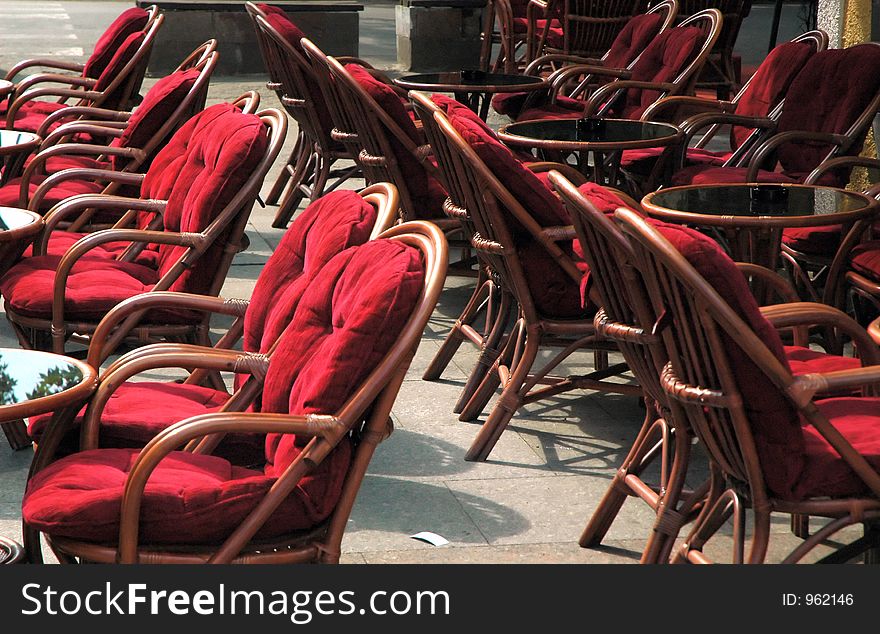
x: 624, y: 51
x: 309, y: 166
x: 585, y: 27
x: 115, y: 87
x: 774, y: 446
x: 722, y: 72
x: 64, y: 167
x: 626, y: 317
x: 520, y: 229
x: 126, y: 413
x: 667, y: 67
x: 324, y: 412
x: 761, y: 98
x: 194, y: 205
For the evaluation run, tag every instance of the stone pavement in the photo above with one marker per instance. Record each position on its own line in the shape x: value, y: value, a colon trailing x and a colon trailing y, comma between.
x: 527, y: 504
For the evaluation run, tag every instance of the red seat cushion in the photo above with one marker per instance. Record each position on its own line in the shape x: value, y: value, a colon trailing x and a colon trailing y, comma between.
x: 416, y: 179
x: 349, y: 317
x: 865, y: 259
x: 775, y: 424
x: 805, y: 361
x: 559, y: 110
x: 128, y: 22
x: 821, y: 241
x: 31, y: 115
x: 188, y: 499
x: 825, y: 473
x: 640, y: 161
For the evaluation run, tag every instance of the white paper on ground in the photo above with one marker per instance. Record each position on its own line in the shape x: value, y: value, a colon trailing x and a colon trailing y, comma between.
x: 432, y: 538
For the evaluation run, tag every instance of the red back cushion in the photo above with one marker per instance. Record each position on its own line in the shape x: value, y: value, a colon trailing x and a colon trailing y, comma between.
x: 349, y: 317
x: 123, y: 56
x: 204, y: 165
x: 769, y: 85
x: 129, y: 21
x: 828, y: 95
x: 663, y: 60
x: 416, y: 179
x: 633, y: 39
x: 328, y: 226
x: 774, y: 422
x: 158, y: 105
x: 286, y: 29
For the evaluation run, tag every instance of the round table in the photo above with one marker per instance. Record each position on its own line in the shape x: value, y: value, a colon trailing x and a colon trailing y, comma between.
x: 472, y: 88
x: 33, y: 382
x: 6, y: 88
x: 18, y: 227
x: 15, y: 147
x: 10, y: 551
x: 604, y: 139
x: 752, y: 217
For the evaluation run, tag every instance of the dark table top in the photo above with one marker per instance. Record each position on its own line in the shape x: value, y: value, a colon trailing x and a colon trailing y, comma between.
x: 470, y: 81
x: 742, y: 204
x: 607, y: 134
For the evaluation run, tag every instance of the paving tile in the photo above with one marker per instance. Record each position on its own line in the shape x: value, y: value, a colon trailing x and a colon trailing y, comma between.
x: 552, y: 553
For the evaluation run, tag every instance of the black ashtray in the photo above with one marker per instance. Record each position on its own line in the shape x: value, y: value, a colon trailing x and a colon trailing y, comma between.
x: 771, y: 194
x: 473, y: 75
x: 589, y: 127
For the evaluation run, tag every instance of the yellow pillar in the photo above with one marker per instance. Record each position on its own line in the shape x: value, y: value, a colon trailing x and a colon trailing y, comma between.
x: 856, y: 30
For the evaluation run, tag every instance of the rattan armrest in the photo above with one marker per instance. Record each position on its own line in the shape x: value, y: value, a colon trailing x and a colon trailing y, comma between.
x: 97, y: 354
x: 547, y: 60
x: 105, y: 202
x: 768, y: 147
x: 564, y: 75
x: 797, y: 314
x: 64, y: 133
x: 73, y: 173
x: 36, y: 93
x: 839, y: 162
x: 779, y: 284
x: 53, y: 78
x: 571, y: 173
x: 82, y: 111
x: 43, y: 63
x: 678, y: 101
x: 605, y: 95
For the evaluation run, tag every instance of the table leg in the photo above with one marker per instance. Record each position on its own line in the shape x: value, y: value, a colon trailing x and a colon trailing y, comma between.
x: 758, y: 245
x: 16, y: 434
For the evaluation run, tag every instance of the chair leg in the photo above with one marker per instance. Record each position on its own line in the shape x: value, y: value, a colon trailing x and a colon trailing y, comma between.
x: 486, y: 389
x: 294, y: 194
x: 511, y: 397
x: 288, y: 171
x: 489, y: 350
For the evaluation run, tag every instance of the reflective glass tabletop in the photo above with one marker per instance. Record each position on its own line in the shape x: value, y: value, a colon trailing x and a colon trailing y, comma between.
x: 12, y: 138
x: 468, y: 80
x: 12, y: 218
x: 777, y: 201
x: 598, y: 130
x: 26, y: 375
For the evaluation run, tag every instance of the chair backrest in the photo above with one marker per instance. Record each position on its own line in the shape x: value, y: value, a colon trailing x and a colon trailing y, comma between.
x: 328, y: 226
x: 838, y: 92
x: 120, y: 80
x: 625, y: 314
x: 727, y: 370
x: 515, y: 233
x: 370, y: 119
x: 590, y: 26
x: 130, y: 21
x: 766, y: 89
x: 209, y: 174
x: 291, y: 75
x: 673, y: 58
x: 170, y: 102
x: 638, y: 33
x: 733, y: 12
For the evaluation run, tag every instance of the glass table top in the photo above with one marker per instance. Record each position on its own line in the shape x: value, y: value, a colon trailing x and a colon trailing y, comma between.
x: 464, y: 79
x: 15, y: 218
x: 10, y: 138
x: 26, y: 375
x: 761, y: 200
x: 590, y: 130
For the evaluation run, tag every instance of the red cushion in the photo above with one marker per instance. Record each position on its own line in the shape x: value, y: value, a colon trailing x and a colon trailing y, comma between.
x: 769, y: 85
x: 347, y: 320
x: 31, y: 115
x: 825, y: 473
x: 129, y: 21
x: 865, y: 259
x: 158, y: 105
x: 558, y: 110
x: 813, y: 240
x: 199, y: 171
x: 416, y: 180
x: 286, y: 28
x: 708, y: 175
x: 326, y: 227
x: 189, y: 498
x: 642, y: 160
x: 805, y: 361
x: 9, y: 193
x: 123, y: 55
x: 774, y: 422
x: 61, y: 241
x: 633, y: 38
x: 832, y: 90
x: 663, y: 60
